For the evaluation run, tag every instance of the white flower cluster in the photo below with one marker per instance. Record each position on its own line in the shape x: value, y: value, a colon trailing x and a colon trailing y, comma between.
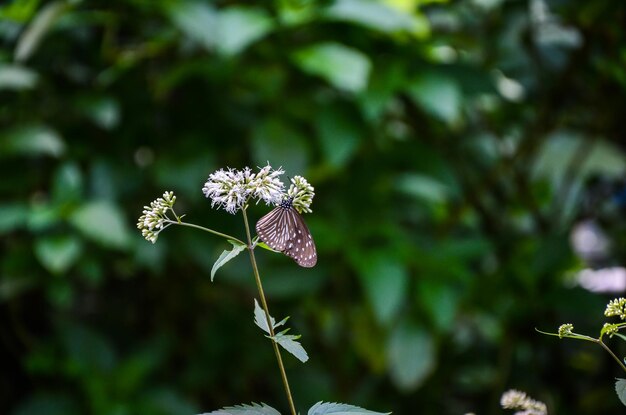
x: 231, y: 189
x: 514, y: 399
x: 301, y: 193
x: 154, y: 216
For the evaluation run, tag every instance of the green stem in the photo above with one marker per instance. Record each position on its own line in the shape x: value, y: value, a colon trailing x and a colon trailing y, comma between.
x: 257, y: 278
x: 223, y: 235
x: 601, y: 343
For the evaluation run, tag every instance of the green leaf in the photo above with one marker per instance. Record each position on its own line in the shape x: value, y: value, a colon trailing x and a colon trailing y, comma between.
x: 410, y: 355
x: 385, y: 281
x: 195, y: 19
x: 620, y: 389
x: 238, y: 27
x: 343, y: 67
x: 339, y: 136
x: 261, y: 321
x: 17, y: 77
x: 378, y: 16
x: 289, y: 343
x: 277, y: 141
x: 422, y: 187
x: 30, y: 39
x: 226, y: 256
x: 328, y: 408
x: 12, y: 216
x: 438, y: 95
x: 104, y: 111
x: 31, y: 140
x: 254, y: 409
x: 57, y: 254
x: 102, y: 222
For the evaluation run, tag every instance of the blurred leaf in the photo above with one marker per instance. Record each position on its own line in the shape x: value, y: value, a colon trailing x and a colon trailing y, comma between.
x: 281, y: 145
x: 12, y: 216
x: 238, y: 27
x: 410, y: 355
x: 620, y: 389
x: 378, y: 16
x: 197, y: 20
x: 19, y: 10
x: 43, y: 216
x: 17, y: 77
x: 254, y: 409
x: 30, y: 39
x: 422, y: 187
x: 67, y: 185
x: 89, y: 353
x: 343, y: 67
x: 339, y: 136
x: 168, y: 402
x: 441, y: 301
x: 289, y: 343
x: 104, y: 111
x: 102, y: 222
x: 385, y: 281
x: 31, y: 140
x: 226, y: 256
x: 57, y: 254
x: 438, y: 95
x: 49, y: 404
x: 560, y: 149
x: 328, y: 408
x: 11, y: 287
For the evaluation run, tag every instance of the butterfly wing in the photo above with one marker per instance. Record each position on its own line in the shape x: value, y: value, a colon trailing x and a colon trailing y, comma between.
x: 300, y: 245
x: 273, y: 229
x: 284, y: 230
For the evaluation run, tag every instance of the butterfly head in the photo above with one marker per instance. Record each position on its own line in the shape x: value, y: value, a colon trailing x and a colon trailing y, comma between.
x: 287, y: 203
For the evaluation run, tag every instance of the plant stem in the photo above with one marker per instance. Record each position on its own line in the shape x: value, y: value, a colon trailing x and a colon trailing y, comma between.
x: 223, y: 235
x: 601, y: 343
x: 257, y: 278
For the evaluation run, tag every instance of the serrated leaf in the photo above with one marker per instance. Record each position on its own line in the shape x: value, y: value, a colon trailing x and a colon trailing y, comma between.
x: 343, y: 67
x: 328, y: 408
x: 289, y: 343
x: 620, y: 389
x: 104, y: 223
x: 254, y: 409
x: 227, y: 256
x: 261, y: 321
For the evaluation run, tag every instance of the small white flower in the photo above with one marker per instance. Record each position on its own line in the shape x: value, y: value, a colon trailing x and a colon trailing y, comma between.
x: 231, y: 189
x: 154, y: 216
x: 267, y: 185
x: 302, y: 194
x: 514, y: 399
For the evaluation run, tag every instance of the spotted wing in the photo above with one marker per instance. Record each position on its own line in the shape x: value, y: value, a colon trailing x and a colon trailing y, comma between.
x: 273, y: 229
x: 300, y: 245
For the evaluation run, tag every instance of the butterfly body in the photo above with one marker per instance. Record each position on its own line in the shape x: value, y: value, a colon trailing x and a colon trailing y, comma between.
x: 284, y: 230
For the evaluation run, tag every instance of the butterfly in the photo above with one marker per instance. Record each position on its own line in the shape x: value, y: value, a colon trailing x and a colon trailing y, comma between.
x: 284, y: 230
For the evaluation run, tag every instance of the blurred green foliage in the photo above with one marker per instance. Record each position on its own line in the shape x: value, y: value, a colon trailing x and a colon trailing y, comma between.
x: 452, y: 145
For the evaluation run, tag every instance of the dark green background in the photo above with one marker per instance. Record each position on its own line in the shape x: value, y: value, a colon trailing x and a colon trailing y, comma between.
x: 452, y: 146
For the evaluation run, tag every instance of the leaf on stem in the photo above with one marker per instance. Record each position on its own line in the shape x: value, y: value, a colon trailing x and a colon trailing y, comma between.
x: 289, y: 343
x: 254, y: 409
x: 620, y: 388
x: 286, y: 341
x: 227, y: 256
x: 261, y: 321
x: 327, y: 408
